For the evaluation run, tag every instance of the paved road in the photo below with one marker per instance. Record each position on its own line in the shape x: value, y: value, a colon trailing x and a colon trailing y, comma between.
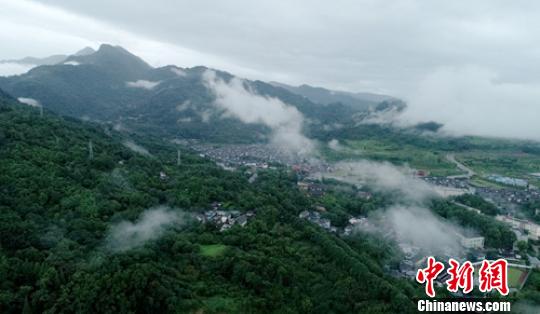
x: 469, y: 172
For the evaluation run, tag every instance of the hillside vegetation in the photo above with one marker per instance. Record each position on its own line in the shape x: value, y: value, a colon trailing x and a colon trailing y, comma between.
x: 58, y: 205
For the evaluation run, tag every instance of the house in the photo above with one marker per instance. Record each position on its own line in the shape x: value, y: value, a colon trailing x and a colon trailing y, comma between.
x: 325, y: 223
x: 200, y: 218
x: 316, y: 189
x: 225, y: 227
x: 163, y: 175
x: 241, y: 220
x: 470, y: 241
x: 302, y: 186
x: 364, y: 195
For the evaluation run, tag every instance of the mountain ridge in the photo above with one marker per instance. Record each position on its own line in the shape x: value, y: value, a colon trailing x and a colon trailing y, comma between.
x: 49, y: 60
x: 115, y: 87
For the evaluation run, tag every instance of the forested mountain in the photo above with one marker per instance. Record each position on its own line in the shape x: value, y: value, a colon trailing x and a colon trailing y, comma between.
x: 116, y: 87
x: 65, y: 185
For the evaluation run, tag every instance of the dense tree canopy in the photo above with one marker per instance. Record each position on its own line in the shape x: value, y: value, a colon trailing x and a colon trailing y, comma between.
x: 58, y: 203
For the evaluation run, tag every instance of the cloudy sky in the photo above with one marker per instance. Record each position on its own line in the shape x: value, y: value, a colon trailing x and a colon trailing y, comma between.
x: 472, y: 65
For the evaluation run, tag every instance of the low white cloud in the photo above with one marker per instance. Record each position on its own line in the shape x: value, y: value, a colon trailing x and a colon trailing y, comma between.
x: 178, y: 71
x: 384, y: 177
x: 240, y: 101
x: 420, y: 227
x: 335, y: 145
x: 184, y: 120
x: 144, y: 84
x: 136, y: 148
x: 29, y: 101
x: 151, y: 225
x: 473, y: 101
x: 183, y: 106
x: 9, y: 68
x: 74, y: 63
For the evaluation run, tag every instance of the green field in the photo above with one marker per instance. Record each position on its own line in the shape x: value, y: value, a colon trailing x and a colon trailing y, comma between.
x: 431, y: 160
x: 506, y: 163
x: 213, y: 250
x: 514, y: 276
x: 485, y: 157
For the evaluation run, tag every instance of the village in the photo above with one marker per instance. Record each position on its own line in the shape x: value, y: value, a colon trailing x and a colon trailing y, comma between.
x: 258, y: 155
x: 508, y: 196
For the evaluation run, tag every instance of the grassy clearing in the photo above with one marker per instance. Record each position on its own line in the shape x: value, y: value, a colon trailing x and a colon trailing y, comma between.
x: 213, y: 250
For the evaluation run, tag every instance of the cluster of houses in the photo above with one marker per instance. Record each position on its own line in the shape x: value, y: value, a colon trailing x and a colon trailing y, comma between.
x: 312, y: 188
x: 225, y: 219
x: 356, y: 222
x: 508, y: 180
x: 458, y: 183
x: 506, y: 197
x: 305, y: 169
x: 446, y: 187
x: 523, y: 228
x: 315, y: 217
x: 257, y: 155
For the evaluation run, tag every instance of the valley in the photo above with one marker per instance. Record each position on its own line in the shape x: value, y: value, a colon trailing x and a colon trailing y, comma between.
x: 205, y: 192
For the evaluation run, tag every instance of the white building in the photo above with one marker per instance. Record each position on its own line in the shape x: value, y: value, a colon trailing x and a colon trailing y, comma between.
x: 472, y: 242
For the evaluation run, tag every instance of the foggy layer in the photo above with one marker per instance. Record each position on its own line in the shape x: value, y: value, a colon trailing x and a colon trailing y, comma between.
x: 475, y: 101
x: 384, y: 177
x: 144, y: 84
x: 151, y: 224
x: 29, y: 101
x: 9, y: 68
x: 240, y: 101
x: 472, y: 67
x: 420, y: 227
x: 136, y: 148
x: 408, y: 219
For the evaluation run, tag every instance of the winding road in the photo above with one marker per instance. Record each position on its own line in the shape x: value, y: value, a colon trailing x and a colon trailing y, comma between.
x: 469, y: 172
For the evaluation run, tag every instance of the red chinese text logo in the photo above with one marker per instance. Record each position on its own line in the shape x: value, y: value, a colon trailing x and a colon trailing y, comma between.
x: 492, y: 275
x: 428, y: 274
x: 460, y: 276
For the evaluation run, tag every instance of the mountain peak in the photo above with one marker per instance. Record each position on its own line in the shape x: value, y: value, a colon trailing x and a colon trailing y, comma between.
x: 106, y: 48
x: 85, y: 51
x: 115, y: 59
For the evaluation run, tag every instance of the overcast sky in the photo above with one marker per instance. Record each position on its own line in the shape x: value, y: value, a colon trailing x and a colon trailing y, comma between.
x: 470, y: 64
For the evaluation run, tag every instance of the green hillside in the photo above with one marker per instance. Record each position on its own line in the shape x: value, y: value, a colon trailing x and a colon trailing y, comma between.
x: 58, y: 204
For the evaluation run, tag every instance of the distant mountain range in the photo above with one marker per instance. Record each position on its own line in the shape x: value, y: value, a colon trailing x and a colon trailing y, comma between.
x: 50, y: 60
x: 111, y: 85
x: 363, y: 101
